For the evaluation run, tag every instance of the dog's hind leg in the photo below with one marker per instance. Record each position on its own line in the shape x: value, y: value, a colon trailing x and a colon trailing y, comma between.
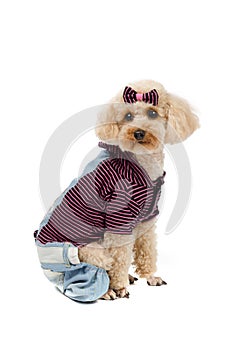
x: 120, y: 248
x: 95, y: 254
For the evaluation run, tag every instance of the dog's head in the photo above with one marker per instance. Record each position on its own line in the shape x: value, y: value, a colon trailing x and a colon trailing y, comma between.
x: 142, y: 124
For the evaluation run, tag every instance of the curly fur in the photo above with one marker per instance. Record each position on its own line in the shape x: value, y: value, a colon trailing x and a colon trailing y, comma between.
x: 175, y: 123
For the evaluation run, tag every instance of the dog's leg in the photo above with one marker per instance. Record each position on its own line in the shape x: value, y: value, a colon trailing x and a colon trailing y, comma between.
x: 120, y: 248
x: 145, y: 258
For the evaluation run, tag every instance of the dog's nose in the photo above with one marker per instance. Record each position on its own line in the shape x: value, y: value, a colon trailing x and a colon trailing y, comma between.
x: 139, y: 134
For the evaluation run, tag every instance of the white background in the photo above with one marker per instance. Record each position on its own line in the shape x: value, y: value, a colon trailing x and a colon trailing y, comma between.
x: 59, y: 57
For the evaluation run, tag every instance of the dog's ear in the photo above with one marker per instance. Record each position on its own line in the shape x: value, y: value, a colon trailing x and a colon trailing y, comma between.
x: 107, y: 129
x: 181, y: 121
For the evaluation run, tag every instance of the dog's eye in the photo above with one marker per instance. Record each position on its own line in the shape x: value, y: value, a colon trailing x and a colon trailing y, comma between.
x: 152, y: 114
x: 128, y: 117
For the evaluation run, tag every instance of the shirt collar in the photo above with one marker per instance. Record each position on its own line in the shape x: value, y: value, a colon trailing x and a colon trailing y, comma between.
x: 116, y: 151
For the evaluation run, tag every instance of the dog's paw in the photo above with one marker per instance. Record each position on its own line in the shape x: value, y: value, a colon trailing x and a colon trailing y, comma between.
x: 122, y: 293
x: 132, y: 279
x: 155, y: 281
x: 110, y: 295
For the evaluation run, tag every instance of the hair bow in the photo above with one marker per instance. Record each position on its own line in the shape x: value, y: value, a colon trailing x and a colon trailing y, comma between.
x: 132, y: 96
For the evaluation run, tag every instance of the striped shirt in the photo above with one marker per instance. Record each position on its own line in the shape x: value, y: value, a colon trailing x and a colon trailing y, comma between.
x: 115, y: 196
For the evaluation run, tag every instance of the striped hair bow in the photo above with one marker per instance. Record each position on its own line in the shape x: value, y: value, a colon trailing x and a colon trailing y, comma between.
x: 132, y: 96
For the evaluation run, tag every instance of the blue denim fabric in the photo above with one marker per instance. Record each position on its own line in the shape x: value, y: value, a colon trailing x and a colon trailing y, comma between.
x: 85, y: 283
x: 82, y: 282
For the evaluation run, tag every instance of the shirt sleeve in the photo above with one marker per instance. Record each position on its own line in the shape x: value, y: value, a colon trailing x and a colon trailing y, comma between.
x: 123, y: 199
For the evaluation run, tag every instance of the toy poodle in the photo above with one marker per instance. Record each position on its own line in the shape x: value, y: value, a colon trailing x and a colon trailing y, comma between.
x: 116, y: 199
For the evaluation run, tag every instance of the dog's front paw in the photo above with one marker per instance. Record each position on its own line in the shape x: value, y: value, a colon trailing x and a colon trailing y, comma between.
x: 110, y: 295
x: 155, y: 281
x: 122, y: 293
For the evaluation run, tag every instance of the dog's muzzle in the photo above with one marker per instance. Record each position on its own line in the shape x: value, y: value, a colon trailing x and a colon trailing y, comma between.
x: 139, y: 134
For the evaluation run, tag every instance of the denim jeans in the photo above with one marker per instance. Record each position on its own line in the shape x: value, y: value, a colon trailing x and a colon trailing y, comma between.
x: 77, y: 280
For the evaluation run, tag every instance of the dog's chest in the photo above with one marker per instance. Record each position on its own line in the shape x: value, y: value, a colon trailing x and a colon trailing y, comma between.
x: 152, y: 163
